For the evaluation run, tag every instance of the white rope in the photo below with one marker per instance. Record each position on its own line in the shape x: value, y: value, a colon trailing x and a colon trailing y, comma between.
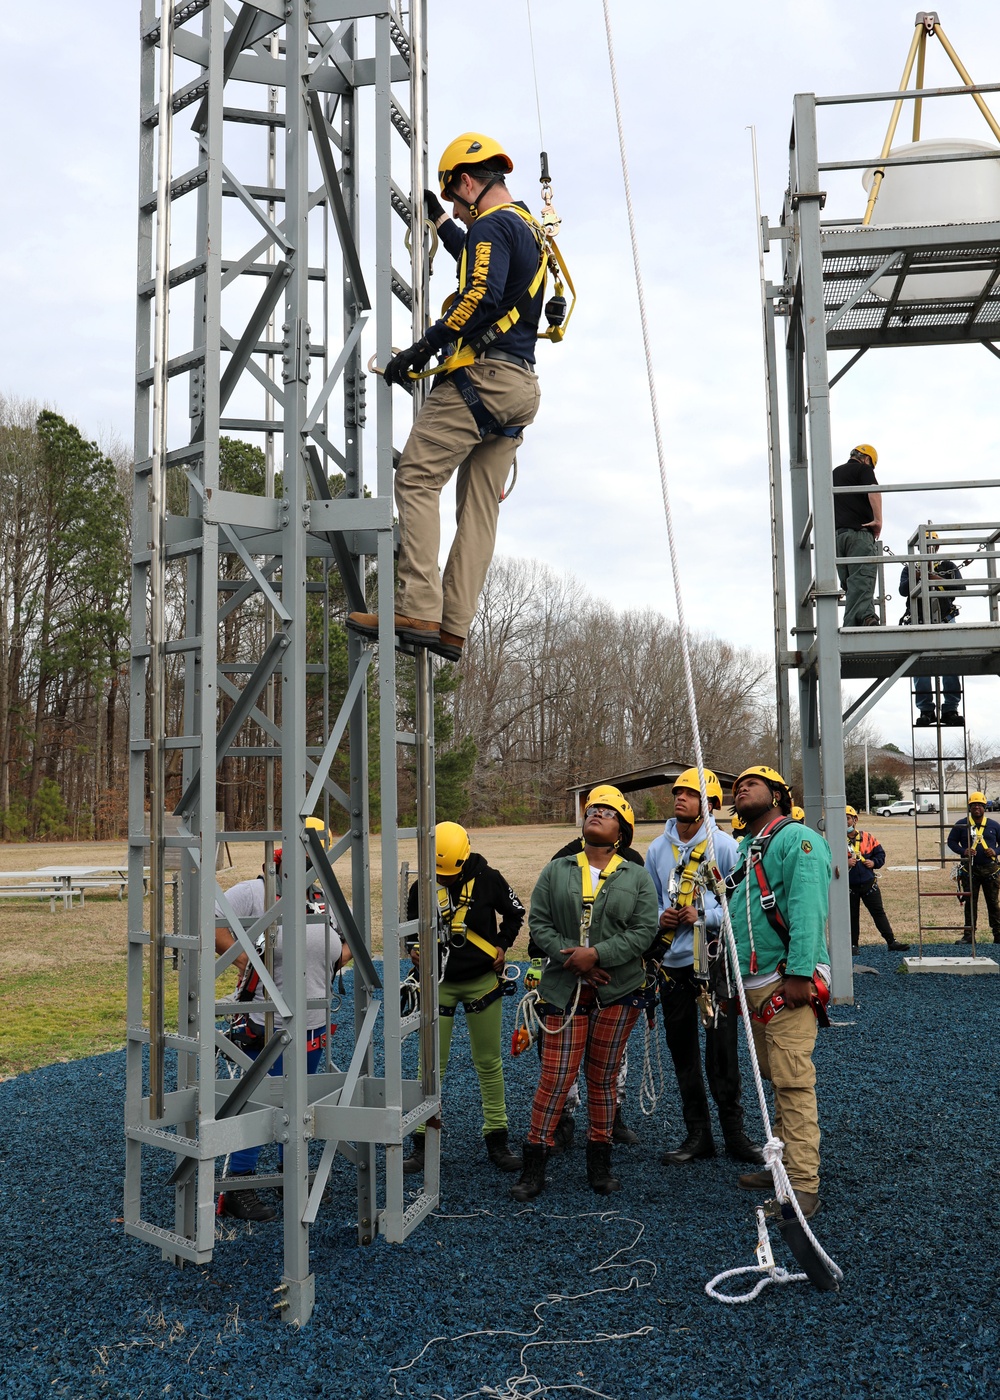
x: 782, y: 1185
x: 527, y: 1385
x: 648, y: 1092
x: 527, y: 1014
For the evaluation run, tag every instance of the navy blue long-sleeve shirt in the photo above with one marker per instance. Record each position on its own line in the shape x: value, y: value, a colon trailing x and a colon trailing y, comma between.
x: 501, y: 260
x: 959, y: 839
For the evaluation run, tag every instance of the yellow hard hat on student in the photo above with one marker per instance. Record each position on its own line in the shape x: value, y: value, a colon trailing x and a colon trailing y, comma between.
x: 737, y: 823
x: 761, y: 770
x: 689, y: 779
x: 453, y: 847
x: 471, y: 148
x: 604, y: 795
x: 798, y: 814
x: 868, y: 450
x: 977, y: 797
x: 318, y: 824
x: 851, y: 811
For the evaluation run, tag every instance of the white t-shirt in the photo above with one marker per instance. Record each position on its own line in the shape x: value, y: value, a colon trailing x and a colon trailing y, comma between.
x: 318, y: 977
x: 245, y: 899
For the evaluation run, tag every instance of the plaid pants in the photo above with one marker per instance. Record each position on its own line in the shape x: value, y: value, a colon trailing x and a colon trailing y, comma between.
x: 597, y: 1037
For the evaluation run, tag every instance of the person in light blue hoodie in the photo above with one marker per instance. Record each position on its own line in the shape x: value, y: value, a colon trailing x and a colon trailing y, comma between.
x: 690, y: 912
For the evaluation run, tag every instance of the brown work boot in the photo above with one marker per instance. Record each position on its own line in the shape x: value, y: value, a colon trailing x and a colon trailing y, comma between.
x: 756, y: 1181
x: 808, y: 1202
x: 408, y: 629
x: 450, y: 646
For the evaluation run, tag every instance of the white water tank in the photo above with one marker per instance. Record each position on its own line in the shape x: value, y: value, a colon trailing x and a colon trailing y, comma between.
x: 959, y: 192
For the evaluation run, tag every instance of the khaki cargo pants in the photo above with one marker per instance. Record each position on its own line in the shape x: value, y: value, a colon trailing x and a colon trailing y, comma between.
x: 784, y: 1050
x: 443, y: 438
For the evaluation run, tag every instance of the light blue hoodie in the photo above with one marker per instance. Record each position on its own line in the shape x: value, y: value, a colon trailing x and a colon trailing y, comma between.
x: 669, y: 853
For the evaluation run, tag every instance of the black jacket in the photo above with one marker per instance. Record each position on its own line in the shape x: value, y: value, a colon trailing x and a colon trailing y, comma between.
x: 573, y: 848
x: 491, y: 895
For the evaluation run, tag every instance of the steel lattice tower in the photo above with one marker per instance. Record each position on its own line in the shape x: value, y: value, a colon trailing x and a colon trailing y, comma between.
x: 268, y: 140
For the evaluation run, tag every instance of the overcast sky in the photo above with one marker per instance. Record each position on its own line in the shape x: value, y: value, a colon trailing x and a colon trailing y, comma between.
x: 694, y: 78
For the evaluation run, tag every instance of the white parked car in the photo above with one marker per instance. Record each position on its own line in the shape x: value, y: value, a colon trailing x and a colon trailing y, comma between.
x: 895, y: 809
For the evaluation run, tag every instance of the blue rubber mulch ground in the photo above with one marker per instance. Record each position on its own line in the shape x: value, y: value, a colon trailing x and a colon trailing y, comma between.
x: 910, y: 1212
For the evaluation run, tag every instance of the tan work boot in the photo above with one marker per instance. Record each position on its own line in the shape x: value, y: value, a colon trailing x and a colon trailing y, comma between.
x: 409, y: 629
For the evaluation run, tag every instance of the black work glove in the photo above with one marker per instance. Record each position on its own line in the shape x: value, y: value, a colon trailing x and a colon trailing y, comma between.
x: 432, y: 206
x: 415, y: 358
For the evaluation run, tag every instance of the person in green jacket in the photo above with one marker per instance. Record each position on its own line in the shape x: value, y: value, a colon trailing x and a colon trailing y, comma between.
x: 593, y: 915
x: 781, y: 959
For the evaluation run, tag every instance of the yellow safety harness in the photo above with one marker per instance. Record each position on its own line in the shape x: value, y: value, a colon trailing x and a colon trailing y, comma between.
x: 978, y: 834
x: 686, y: 884
x: 549, y: 259
x: 589, y: 893
x: 455, y: 918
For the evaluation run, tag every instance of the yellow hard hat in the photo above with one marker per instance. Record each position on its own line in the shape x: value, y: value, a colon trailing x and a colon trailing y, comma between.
x: 471, y: 148
x: 868, y: 450
x: 798, y: 814
x: 689, y: 779
x: 453, y: 847
x: 737, y: 822
x: 851, y: 811
x: 605, y: 795
x: 318, y: 824
x: 761, y: 770
x: 977, y: 797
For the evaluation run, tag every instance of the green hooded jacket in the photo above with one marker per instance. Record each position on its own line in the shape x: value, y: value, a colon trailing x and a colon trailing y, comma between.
x: 797, y: 865
x: 623, y: 925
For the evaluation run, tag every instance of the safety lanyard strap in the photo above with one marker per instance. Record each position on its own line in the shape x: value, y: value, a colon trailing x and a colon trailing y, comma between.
x: 854, y: 841
x: 589, y: 895
x: 979, y: 838
x: 455, y: 918
x: 685, y: 892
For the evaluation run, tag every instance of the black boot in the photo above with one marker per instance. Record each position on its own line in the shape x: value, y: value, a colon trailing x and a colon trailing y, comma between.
x: 565, y: 1129
x: 621, y: 1132
x: 415, y: 1162
x: 532, y: 1182
x: 499, y: 1153
x: 696, y: 1145
x: 599, y: 1169
x: 245, y: 1204
x: 741, y: 1149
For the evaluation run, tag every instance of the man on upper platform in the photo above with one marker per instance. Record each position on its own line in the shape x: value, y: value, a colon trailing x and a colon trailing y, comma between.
x: 475, y: 416
x: 857, y: 519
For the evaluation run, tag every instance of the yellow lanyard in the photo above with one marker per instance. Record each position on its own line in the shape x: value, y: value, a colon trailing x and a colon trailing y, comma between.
x: 855, y: 841
x: 685, y: 894
x: 588, y: 891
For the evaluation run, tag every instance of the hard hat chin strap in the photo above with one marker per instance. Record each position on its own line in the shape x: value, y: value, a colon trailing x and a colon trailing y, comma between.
x: 473, y: 208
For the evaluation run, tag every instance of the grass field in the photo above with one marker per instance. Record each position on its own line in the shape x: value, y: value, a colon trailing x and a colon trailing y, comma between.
x: 62, y: 975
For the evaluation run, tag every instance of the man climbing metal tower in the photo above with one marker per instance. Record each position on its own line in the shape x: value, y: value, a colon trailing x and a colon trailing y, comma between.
x: 485, y: 395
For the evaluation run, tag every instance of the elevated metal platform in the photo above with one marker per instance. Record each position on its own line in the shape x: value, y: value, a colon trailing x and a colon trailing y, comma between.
x: 840, y: 289
x: 959, y: 649
x: 856, y: 261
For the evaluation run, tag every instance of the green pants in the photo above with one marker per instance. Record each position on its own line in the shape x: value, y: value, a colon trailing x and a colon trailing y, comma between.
x: 858, y: 580
x: 484, y: 1041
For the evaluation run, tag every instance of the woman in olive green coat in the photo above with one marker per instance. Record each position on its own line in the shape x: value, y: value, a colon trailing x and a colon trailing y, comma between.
x: 593, y: 915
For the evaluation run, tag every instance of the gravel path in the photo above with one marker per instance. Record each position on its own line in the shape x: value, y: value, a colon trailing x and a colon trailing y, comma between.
x: 910, y: 1139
